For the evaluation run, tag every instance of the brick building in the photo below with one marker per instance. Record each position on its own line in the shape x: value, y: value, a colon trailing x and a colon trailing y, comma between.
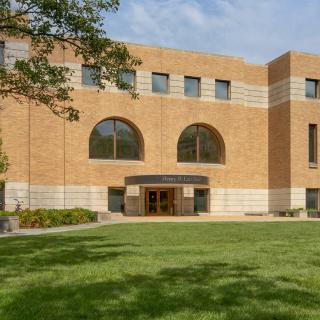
x: 208, y: 134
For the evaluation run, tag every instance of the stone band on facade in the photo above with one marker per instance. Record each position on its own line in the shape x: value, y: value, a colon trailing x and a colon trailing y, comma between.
x: 221, y: 201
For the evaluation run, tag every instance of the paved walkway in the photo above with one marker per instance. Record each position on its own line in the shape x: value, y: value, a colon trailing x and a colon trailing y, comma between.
x: 119, y: 220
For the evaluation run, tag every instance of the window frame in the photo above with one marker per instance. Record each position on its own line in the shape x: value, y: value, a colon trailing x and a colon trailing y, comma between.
x: 160, y: 74
x: 198, y: 126
x: 3, y: 196
x: 313, y: 163
x: 316, y: 95
x: 124, y: 196
x: 317, y: 200
x: 199, y: 86
x: 95, y: 81
x: 228, y: 82
x: 134, y: 78
x: 206, y: 190
x: 140, y: 144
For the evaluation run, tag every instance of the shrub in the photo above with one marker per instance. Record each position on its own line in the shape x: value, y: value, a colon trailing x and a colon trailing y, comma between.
x: 7, y: 214
x: 46, y: 218
x: 313, y: 213
x: 295, y: 212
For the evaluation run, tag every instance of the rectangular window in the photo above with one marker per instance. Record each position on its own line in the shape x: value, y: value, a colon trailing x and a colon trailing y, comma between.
x: 160, y: 83
x: 191, y: 87
x: 222, y: 90
x: 89, y: 76
x: 313, y: 143
x: 200, y: 200
x: 1, y: 53
x: 129, y: 78
x: 116, y: 200
x: 311, y: 88
x: 312, y: 199
x: 2, y: 198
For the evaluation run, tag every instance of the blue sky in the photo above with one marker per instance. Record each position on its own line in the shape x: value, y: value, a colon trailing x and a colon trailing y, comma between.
x: 257, y: 30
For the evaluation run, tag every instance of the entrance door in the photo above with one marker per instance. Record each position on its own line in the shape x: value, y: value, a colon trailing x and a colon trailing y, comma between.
x: 159, y: 202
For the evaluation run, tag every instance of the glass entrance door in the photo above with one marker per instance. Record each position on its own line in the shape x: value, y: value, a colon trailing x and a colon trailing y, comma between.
x: 164, y: 201
x: 153, y: 202
x: 159, y: 202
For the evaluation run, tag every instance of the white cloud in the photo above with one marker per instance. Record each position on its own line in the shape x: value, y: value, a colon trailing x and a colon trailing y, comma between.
x: 258, y: 30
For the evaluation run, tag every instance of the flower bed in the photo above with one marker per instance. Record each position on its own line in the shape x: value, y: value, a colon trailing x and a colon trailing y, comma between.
x: 46, y: 218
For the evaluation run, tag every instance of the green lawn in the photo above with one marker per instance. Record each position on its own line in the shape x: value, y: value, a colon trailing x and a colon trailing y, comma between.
x: 164, y: 271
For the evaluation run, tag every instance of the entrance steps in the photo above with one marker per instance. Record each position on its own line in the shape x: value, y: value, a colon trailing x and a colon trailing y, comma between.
x: 205, y: 214
x: 108, y: 216
x: 117, y: 216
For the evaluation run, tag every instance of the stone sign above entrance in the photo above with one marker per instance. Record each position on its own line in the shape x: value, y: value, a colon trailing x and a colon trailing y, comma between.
x: 167, y: 179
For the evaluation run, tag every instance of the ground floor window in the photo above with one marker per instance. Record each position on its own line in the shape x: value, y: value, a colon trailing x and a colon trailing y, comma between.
x: 200, y: 200
x: 1, y: 196
x: 116, y: 200
x: 312, y: 199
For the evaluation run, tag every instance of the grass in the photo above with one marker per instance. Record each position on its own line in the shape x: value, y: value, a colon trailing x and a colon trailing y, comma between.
x: 164, y: 271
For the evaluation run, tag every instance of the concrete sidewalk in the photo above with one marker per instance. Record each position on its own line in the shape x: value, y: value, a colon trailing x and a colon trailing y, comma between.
x: 148, y: 219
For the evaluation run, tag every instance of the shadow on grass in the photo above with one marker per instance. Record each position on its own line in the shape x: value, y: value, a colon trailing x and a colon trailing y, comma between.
x: 33, y: 254
x: 204, y: 291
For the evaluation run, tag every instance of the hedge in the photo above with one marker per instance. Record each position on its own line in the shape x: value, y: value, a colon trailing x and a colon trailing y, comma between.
x: 7, y: 214
x: 46, y: 218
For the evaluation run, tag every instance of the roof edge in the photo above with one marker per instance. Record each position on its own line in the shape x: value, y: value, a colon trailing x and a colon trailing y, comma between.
x: 183, y: 50
x: 222, y: 55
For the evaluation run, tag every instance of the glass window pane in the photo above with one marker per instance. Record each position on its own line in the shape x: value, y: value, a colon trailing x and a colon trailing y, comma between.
x: 164, y: 201
x: 159, y: 83
x: 1, y: 53
x: 101, y: 145
x: 200, y: 200
x: 312, y: 199
x: 311, y: 88
x: 209, y: 150
x: 127, y: 142
x: 88, y: 76
x: 312, y: 143
x: 128, y: 77
x: 152, y: 200
x: 116, y: 200
x: 191, y: 87
x: 222, y: 90
x: 187, y: 146
x: 2, y: 198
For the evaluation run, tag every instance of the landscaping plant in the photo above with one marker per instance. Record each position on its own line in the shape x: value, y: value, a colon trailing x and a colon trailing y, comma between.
x: 46, y: 218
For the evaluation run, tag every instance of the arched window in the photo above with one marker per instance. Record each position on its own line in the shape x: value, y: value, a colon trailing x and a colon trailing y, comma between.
x: 199, y: 144
x: 114, y: 139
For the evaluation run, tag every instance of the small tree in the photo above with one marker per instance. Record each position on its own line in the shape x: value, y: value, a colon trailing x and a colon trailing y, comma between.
x: 75, y: 25
x: 4, y: 165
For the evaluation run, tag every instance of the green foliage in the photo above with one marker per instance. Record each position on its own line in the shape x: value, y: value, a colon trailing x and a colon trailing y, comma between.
x: 6, y: 214
x: 4, y: 165
x: 313, y: 213
x: 74, y: 25
x: 45, y: 218
x: 294, y: 212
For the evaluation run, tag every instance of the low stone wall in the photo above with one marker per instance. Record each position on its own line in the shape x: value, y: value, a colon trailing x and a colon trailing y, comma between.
x: 9, y: 224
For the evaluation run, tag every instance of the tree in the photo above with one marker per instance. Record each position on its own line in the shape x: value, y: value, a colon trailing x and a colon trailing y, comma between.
x: 4, y: 164
x: 75, y: 25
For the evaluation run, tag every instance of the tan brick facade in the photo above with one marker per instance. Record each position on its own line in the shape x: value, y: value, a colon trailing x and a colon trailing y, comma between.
x: 264, y: 127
